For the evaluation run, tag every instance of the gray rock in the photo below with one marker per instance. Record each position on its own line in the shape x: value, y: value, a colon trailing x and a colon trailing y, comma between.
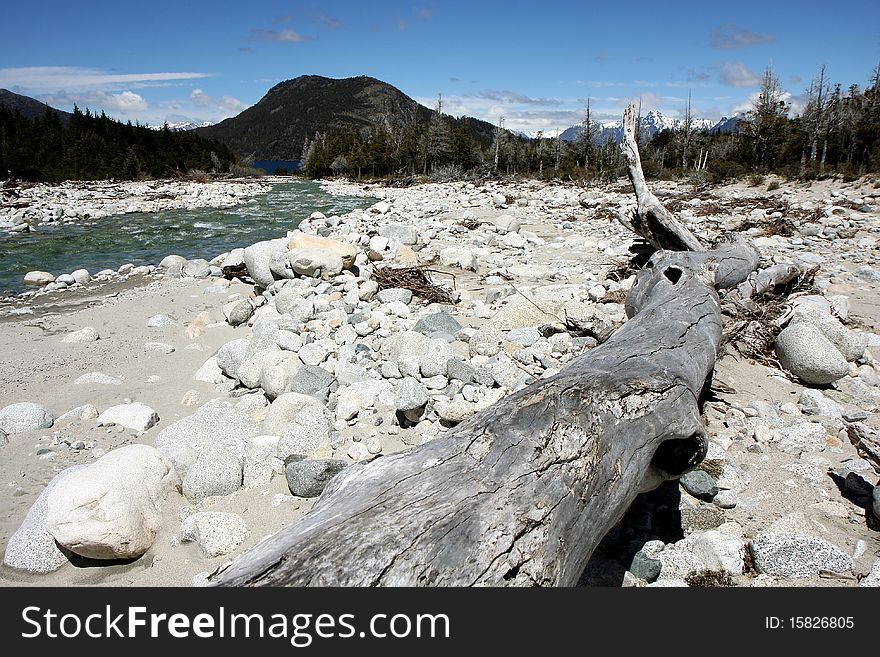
x: 31, y: 547
x: 787, y: 554
x: 288, y: 302
x: 160, y: 321
x: 135, y: 415
x: 700, y: 484
x: 210, y: 372
x: 441, y: 322
x: 405, y: 347
x: 432, y: 361
x: 216, y: 471
x: 262, y: 351
x: 38, y: 278
x: 362, y: 395
x: 216, y: 532
x: 83, y: 412
x: 872, y: 579
x: 525, y: 336
x: 81, y: 276
x: 315, y: 262
x: 312, y: 380
x: 308, y: 478
x: 309, y: 430
x: 455, y: 411
x: 233, y: 264
x: 459, y: 256
x: 368, y: 290
x: 813, y: 402
x: 875, y: 505
x: 25, y: 416
x: 410, y: 395
x: 257, y: 259
x: 238, y: 312
x: 259, y: 463
x: 718, y: 550
x: 314, y: 353
x: 97, y: 378
x: 816, y: 312
x: 278, y: 372
x: 231, y: 355
x: 111, y: 509
x: 805, y: 352
x: 197, y: 268
x: 284, y: 409
x: 159, y: 347
x: 172, y: 262
x: 645, y: 567
x: 392, y: 294
x: 212, y: 425
x: 400, y: 233
x: 506, y: 373
x: 803, y: 437
x: 460, y: 370
x: 87, y: 334
x: 726, y: 499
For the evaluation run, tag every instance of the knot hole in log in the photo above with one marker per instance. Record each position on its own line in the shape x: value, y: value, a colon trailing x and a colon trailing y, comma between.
x: 672, y: 274
x: 675, y: 457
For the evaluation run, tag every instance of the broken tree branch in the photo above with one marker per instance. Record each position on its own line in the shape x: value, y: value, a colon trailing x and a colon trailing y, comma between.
x: 651, y: 219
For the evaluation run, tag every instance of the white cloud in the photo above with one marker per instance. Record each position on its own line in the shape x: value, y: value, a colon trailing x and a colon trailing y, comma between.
x: 796, y: 103
x: 280, y: 35
x: 37, y: 79
x: 126, y: 104
x: 200, y: 99
x: 730, y: 36
x: 227, y: 103
x: 735, y: 74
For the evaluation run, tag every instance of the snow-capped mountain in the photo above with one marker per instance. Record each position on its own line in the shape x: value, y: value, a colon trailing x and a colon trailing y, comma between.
x: 728, y: 124
x: 180, y: 126
x: 650, y: 124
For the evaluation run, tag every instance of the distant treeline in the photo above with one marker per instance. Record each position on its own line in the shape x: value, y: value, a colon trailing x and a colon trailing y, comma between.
x: 837, y: 132
x: 445, y: 143
x: 89, y: 147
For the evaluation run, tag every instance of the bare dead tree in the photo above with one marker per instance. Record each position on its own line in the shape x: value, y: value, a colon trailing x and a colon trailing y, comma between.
x: 686, y: 133
x: 499, y: 133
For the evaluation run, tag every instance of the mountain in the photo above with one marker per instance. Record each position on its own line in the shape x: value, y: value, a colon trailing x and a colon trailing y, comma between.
x: 292, y: 111
x: 650, y: 124
x: 27, y: 106
x: 181, y: 126
x: 728, y: 124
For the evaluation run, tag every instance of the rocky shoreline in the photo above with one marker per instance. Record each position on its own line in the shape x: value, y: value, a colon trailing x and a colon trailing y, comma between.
x: 231, y: 390
x: 24, y: 209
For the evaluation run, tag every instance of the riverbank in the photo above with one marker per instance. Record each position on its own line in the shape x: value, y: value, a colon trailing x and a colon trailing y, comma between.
x: 332, y: 369
x: 26, y: 207
x: 108, y: 247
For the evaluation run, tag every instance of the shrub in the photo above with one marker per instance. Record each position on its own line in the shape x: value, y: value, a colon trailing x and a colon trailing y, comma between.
x: 756, y: 180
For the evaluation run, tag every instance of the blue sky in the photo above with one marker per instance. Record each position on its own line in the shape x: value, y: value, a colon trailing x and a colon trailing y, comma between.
x: 534, y: 63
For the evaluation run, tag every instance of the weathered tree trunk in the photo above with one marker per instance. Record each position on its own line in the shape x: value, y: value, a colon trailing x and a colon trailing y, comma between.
x: 523, y: 492
x: 651, y: 220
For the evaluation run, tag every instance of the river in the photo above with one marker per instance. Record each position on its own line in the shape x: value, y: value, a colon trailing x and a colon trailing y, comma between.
x: 146, y: 238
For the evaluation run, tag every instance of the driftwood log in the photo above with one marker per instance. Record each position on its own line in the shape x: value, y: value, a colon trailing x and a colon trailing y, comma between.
x: 521, y: 493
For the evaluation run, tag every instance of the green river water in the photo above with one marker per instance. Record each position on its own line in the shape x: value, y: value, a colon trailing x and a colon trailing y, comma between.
x: 146, y: 238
